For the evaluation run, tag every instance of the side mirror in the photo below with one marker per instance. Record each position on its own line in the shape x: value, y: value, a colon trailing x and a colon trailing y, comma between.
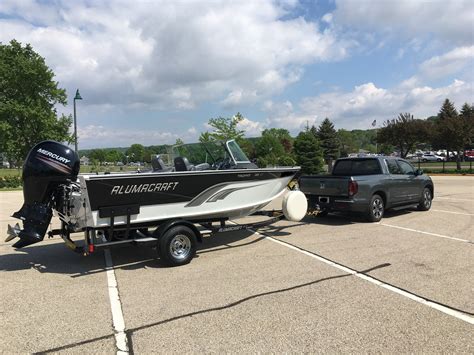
x: 418, y: 172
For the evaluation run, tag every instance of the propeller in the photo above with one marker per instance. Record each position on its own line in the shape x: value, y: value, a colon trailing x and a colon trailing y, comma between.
x: 13, y: 232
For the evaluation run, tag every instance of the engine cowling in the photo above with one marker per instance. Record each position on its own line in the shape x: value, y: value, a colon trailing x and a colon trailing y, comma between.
x: 48, y: 165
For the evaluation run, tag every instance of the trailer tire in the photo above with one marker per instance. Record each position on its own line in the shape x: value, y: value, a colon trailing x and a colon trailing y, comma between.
x: 177, y: 246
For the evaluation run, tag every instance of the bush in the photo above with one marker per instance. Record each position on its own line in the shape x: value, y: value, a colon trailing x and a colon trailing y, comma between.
x: 448, y: 171
x: 10, y: 182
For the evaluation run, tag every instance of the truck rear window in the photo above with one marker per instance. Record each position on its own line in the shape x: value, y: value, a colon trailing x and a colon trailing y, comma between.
x: 351, y: 167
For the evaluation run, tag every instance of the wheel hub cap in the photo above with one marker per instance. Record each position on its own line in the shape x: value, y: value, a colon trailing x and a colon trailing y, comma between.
x: 377, y: 208
x: 180, y: 246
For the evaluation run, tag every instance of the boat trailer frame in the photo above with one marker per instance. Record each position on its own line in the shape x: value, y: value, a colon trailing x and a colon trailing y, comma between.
x: 138, y: 234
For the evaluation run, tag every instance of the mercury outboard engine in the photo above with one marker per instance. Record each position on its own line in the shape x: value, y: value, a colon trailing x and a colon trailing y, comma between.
x: 48, y: 166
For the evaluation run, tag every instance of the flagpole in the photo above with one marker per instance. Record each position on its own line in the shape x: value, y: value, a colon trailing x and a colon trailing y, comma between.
x: 374, y: 124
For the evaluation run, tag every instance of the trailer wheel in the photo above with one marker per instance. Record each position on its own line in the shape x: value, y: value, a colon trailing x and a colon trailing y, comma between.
x: 177, y: 246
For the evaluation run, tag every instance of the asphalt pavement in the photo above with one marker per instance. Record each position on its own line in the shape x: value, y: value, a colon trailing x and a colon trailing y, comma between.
x: 333, y: 284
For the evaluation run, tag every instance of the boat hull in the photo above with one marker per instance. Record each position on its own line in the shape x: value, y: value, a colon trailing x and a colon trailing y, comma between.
x: 188, y: 195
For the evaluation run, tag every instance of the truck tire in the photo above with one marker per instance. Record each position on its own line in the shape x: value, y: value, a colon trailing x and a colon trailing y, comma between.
x: 426, y: 198
x: 376, y: 209
x: 177, y: 246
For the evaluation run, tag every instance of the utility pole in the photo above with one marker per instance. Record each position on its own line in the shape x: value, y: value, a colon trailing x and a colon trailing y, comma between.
x: 77, y: 97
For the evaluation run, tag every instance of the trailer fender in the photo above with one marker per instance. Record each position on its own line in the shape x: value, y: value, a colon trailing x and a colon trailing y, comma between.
x: 162, y: 228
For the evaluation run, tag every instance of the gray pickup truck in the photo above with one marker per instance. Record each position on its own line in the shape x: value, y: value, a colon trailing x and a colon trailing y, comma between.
x: 369, y: 185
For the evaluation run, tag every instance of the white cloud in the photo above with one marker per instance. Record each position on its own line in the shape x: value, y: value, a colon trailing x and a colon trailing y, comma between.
x: 367, y: 102
x: 327, y: 18
x: 458, y: 61
x: 100, y: 137
x: 170, y: 54
x: 251, y: 128
x: 449, y: 63
x: 448, y: 20
x: 283, y: 115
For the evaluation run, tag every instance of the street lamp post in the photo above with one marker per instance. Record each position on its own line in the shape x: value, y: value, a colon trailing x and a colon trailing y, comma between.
x: 77, y: 97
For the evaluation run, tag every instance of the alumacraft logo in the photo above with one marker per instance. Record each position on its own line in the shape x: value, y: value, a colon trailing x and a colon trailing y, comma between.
x: 137, y: 189
x: 53, y: 155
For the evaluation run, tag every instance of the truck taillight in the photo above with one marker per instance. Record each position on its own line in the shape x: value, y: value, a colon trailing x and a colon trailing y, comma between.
x: 353, y: 188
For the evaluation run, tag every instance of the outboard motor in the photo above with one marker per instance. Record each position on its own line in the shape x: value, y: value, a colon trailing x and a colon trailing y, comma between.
x: 48, y: 165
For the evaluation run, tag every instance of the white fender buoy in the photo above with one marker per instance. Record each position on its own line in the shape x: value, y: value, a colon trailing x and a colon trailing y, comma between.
x: 294, y: 206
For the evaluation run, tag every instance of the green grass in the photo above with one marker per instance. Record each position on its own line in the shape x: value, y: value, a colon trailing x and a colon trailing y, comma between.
x: 10, y: 172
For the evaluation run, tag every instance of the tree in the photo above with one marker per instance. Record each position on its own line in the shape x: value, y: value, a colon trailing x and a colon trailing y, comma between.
x: 225, y: 128
x: 329, y: 141
x: 447, y: 110
x: 205, y: 137
x: 135, y: 153
x: 347, y: 143
x: 455, y: 130
x: 268, y: 150
x: 28, y: 96
x: 403, y: 132
x: 98, y: 155
x: 282, y: 135
x: 467, y: 115
x: 274, y: 147
x: 113, y: 156
x: 308, y: 153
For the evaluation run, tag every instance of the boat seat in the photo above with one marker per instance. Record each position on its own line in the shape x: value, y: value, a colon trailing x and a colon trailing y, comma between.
x: 158, y: 164
x: 203, y: 166
x: 183, y: 164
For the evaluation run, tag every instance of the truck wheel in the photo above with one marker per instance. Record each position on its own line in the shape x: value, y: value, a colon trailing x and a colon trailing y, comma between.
x: 177, y: 246
x: 376, y: 209
x: 426, y: 198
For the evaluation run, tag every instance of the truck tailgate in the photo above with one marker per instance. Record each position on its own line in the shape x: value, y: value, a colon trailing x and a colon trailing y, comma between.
x: 322, y: 185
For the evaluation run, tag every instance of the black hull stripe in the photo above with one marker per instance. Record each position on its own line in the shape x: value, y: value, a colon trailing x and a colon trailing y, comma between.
x: 158, y: 189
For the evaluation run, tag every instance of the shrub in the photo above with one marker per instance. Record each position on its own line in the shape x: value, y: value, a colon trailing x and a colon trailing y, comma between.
x: 10, y: 182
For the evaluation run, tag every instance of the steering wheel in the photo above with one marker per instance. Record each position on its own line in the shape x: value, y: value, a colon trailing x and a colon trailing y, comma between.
x: 222, y: 164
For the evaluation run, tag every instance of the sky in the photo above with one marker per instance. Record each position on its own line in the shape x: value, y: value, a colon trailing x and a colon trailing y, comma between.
x: 151, y: 72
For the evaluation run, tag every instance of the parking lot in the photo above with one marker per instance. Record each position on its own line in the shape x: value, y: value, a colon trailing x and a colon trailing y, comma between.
x: 333, y: 284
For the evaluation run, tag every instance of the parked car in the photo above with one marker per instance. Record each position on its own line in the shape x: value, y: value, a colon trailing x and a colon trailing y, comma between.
x: 469, y: 155
x: 432, y: 157
x: 369, y: 186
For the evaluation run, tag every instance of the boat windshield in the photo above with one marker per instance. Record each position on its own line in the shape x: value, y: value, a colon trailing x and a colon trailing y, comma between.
x: 237, y: 153
x: 210, y: 152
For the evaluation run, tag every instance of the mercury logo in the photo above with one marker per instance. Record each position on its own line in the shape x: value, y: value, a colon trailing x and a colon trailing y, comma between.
x: 53, y: 155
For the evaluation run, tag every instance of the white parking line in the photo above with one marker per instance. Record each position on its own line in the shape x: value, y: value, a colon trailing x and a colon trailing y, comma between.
x: 459, y: 315
x: 116, y: 306
x: 461, y: 213
x: 454, y: 199
x: 427, y: 233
